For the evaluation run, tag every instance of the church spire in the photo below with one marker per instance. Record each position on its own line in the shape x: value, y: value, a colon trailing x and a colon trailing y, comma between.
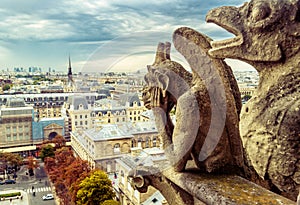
x: 70, y: 78
x: 70, y: 68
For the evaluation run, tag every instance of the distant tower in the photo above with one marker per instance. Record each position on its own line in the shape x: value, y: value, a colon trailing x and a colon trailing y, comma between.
x: 70, y: 79
x: 70, y: 86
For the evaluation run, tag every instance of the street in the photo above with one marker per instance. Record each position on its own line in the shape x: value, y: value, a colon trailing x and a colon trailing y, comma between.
x: 38, y: 183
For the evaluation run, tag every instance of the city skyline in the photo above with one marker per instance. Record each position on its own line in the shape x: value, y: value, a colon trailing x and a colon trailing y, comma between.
x: 98, y: 35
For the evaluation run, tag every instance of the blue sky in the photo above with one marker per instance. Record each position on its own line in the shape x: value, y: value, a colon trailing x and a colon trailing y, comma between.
x: 100, y: 35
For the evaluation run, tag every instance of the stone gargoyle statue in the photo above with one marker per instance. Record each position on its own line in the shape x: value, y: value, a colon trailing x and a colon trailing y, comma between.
x: 209, y: 127
x: 267, y: 36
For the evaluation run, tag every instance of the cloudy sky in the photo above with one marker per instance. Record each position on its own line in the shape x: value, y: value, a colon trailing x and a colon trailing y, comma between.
x: 99, y: 35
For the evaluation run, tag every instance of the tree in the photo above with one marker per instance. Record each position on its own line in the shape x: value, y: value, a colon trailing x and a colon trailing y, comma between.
x: 32, y: 164
x: 59, y: 141
x: 6, y: 87
x: 47, y: 151
x: 110, y: 202
x: 95, y: 189
x: 9, y: 159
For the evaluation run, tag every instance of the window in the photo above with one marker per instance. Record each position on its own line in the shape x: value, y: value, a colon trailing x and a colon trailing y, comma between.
x: 117, y: 148
x: 140, y: 142
x: 147, y: 143
x: 154, y: 141
x: 122, y: 177
x: 8, y: 137
x: 80, y: 116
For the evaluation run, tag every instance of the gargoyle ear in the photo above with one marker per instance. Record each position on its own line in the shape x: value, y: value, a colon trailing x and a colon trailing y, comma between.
x: 163, y: 81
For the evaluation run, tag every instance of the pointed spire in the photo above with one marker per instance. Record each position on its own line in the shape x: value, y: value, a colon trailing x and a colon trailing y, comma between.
x: 70, y: 68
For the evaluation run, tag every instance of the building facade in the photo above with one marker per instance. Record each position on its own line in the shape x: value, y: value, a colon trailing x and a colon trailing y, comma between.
x: 101, y: 146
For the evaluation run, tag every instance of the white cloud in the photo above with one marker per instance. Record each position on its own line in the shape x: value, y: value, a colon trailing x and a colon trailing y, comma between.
x: 87, y: 24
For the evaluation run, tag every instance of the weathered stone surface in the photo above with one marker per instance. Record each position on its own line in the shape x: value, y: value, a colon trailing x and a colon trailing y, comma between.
x: 207, y: 108
x: 224, y: 189
x: 268, y: 37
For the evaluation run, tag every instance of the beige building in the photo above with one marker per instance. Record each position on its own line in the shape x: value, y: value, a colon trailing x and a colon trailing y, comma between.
x: 101, y: 146
x: 77, y: 113
x: 107, y: 111
x: 247, y: 91
x: 16, y: 123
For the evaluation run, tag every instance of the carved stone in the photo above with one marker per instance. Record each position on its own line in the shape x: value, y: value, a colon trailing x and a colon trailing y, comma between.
x: 207, y: 108
x: 268, y: 37
x: 261, y: 142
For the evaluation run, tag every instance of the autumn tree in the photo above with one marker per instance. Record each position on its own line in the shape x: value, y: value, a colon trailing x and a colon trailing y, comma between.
x: 64, y: 170
x: 59, y: 141
x: 95, y: 189
x: 10, y: 159
x: 47, y: 151
x: 32, y: 164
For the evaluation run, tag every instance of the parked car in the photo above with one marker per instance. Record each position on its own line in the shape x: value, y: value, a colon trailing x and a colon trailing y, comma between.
x: 10, y: 181
x: 48, y: 197
x: 2, y: 182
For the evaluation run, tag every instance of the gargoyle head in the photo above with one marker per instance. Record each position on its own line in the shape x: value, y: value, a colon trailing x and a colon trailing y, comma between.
x: 265, y: 30
x: 161, y: 78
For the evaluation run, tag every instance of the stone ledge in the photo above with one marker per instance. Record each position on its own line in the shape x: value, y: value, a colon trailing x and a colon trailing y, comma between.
x: 224, y: 189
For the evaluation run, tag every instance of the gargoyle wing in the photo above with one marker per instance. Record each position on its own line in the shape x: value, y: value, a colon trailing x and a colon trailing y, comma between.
x: 221, y: 85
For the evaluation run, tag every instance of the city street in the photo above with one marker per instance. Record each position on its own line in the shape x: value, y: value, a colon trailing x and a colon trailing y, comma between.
x: 37, y: 184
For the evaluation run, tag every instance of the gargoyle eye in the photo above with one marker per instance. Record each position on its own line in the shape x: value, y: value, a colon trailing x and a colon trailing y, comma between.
x: 260, y: 12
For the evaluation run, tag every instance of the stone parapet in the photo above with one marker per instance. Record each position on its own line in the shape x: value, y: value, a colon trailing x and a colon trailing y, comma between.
x: 224, y: 189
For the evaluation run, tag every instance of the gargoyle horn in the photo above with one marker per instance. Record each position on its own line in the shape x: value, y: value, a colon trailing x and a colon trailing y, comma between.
x: 162, y: 52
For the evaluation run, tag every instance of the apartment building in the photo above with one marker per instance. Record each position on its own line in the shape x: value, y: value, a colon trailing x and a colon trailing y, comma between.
x: 102, y: 145
x: 16, y: 124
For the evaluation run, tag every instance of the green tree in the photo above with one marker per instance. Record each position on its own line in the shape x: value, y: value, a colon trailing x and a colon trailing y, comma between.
x: 6, y: 87
x: 47, y: 151
x: 110, y: 202
x: 95, y: 189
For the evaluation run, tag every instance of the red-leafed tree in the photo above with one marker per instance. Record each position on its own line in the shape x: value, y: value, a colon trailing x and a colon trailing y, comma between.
x: 66, y: 172
x: 32, y: 164
x: 59, y: 141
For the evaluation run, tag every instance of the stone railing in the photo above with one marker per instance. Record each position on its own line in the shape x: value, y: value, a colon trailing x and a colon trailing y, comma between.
x: 223, y: 189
